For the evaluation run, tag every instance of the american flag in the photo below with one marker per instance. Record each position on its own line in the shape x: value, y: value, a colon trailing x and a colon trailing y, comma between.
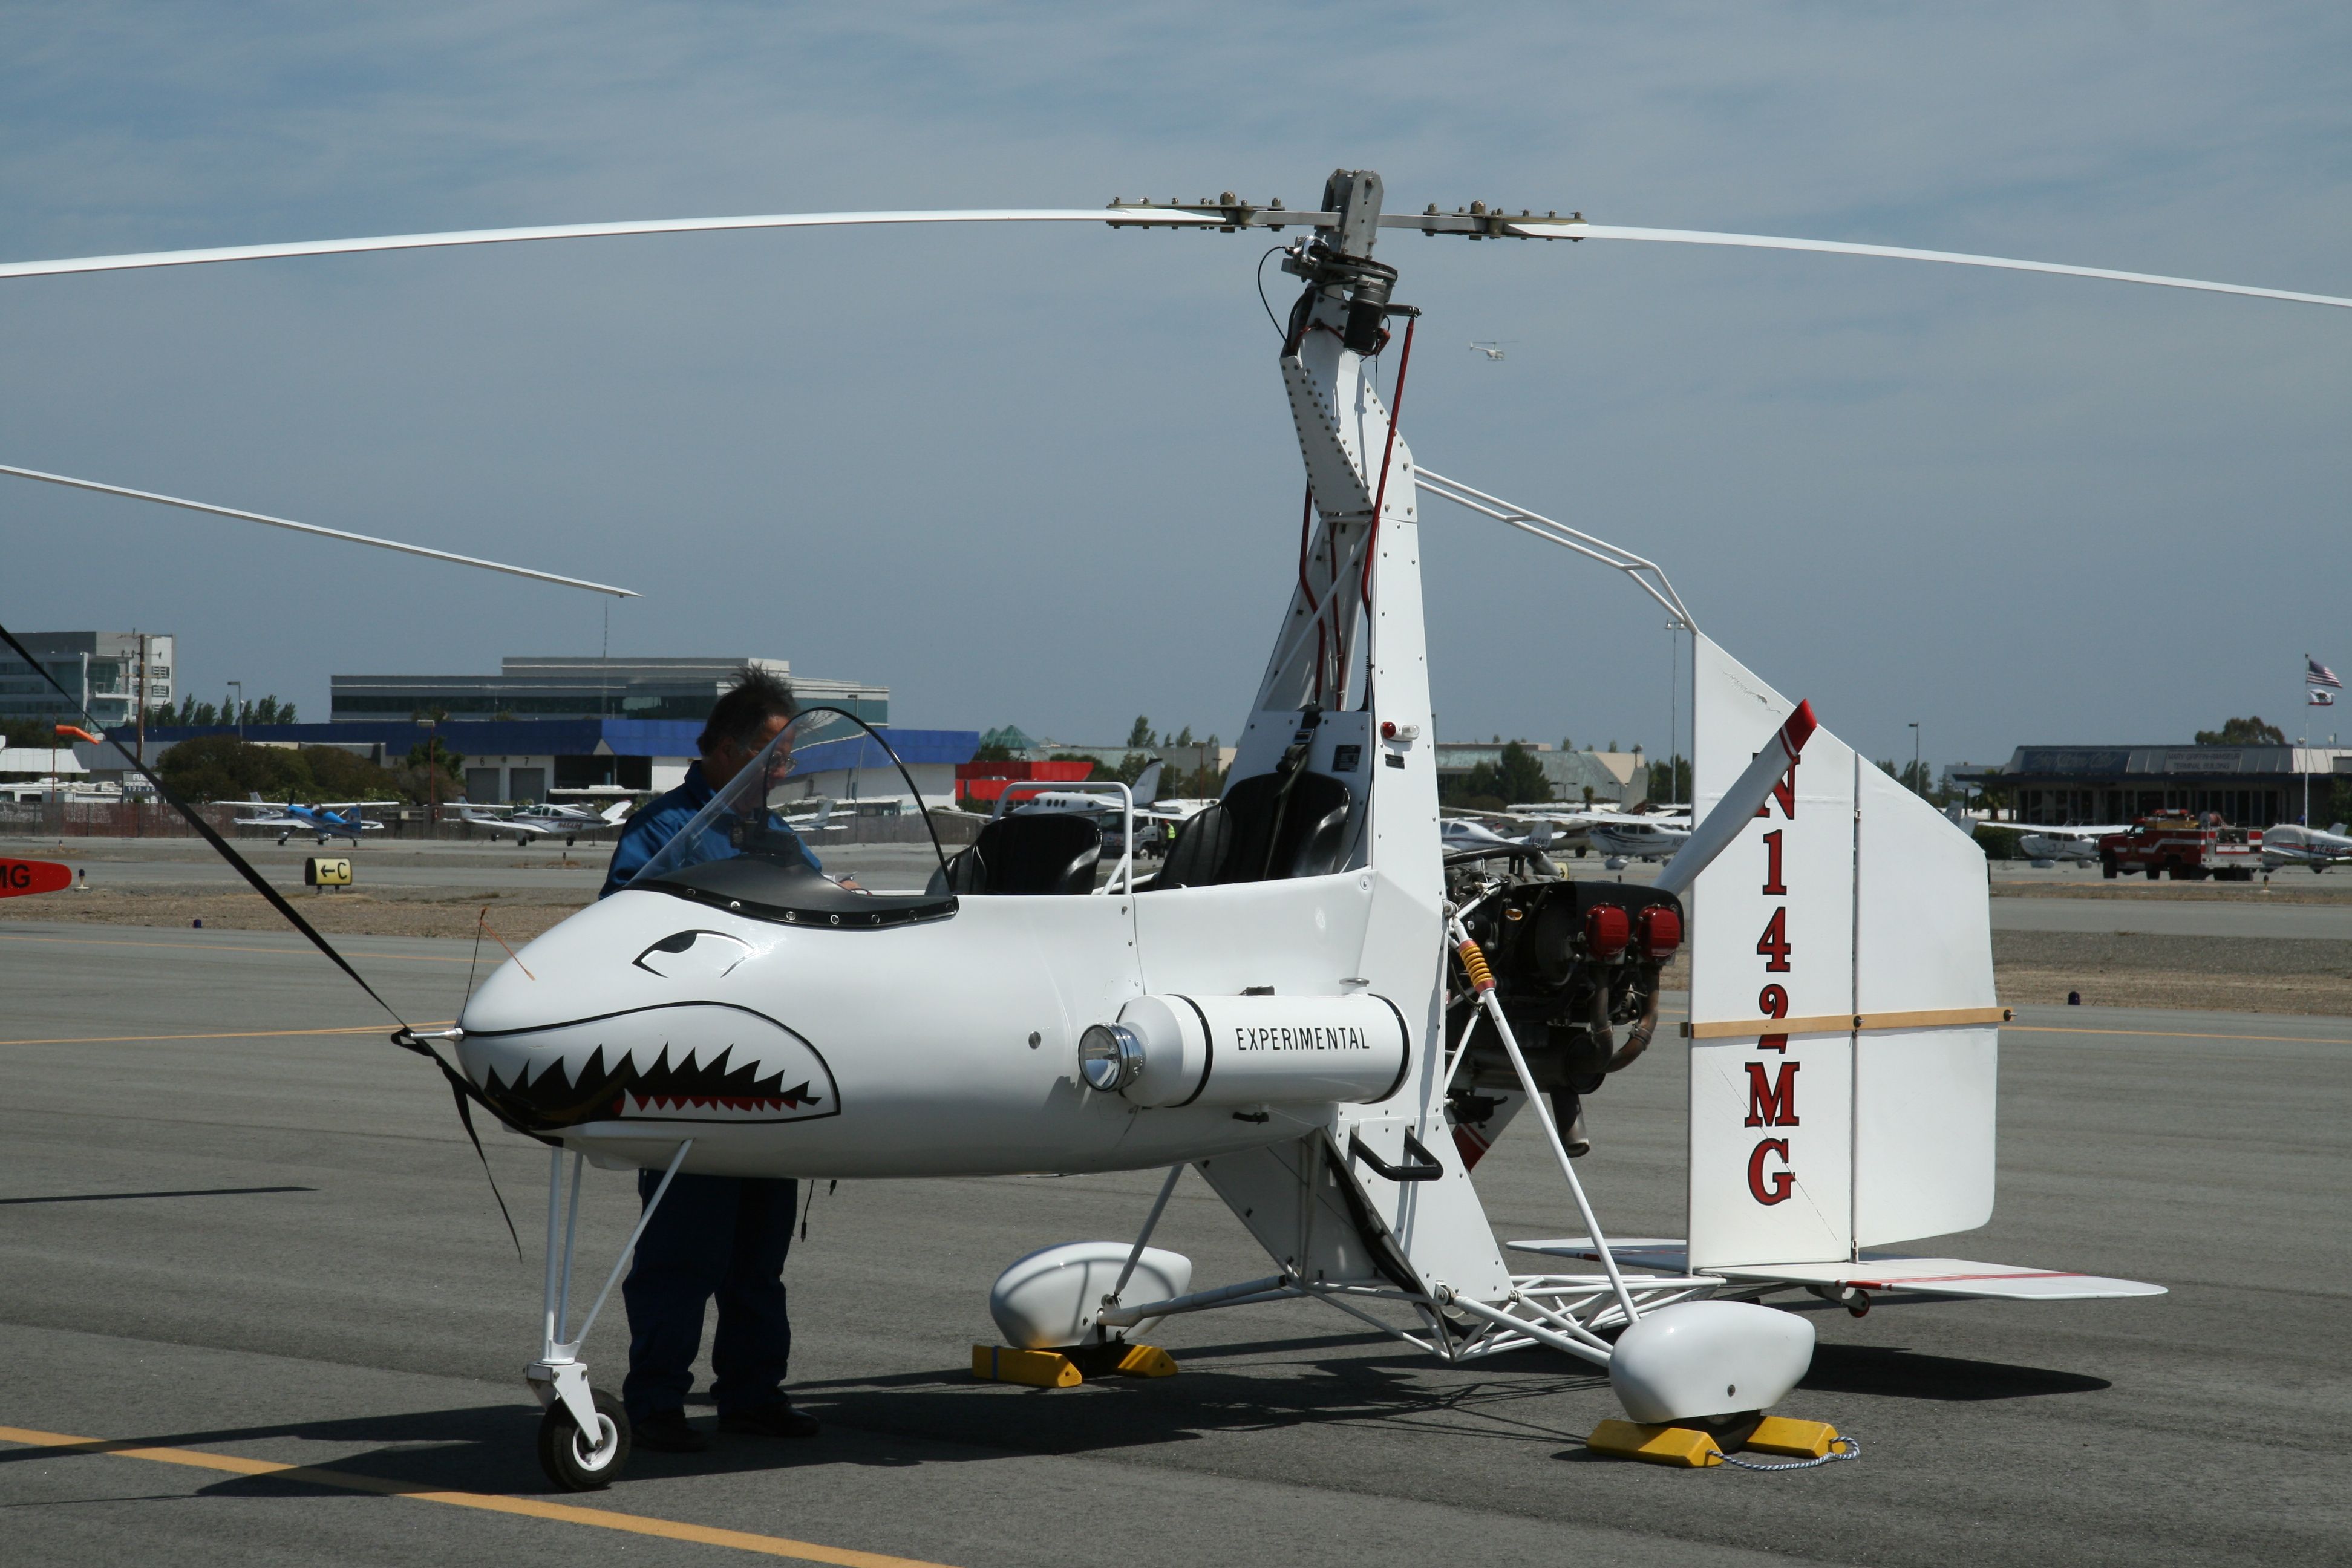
x: 2319, y: 674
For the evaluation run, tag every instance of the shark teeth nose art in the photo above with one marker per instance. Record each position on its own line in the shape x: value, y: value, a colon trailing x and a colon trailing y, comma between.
x: 695, y: 1061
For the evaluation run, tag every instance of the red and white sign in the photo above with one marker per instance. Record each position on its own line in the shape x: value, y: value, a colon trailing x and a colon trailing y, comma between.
x: 20, y: 878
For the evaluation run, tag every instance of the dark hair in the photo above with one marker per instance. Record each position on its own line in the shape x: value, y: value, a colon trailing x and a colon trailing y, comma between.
x: 744, y: 710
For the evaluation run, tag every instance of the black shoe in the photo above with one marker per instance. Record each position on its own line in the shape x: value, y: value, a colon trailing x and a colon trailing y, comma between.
x: 777, y: 1420
x: 666, y: 1432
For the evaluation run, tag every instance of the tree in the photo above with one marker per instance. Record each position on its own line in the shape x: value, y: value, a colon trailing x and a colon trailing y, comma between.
x: 2242, y: 732
x: 1183, y: 738
x: 28, y: 732
x: 993, y: 752
x: 1918, y: 778
x: 1670, y: 781
x: 1515, y: 778
x: 425, y: 753
x: 338, y: 775
x: 1521, y: 776
x: 1139, y: 734
x: 222, y: 767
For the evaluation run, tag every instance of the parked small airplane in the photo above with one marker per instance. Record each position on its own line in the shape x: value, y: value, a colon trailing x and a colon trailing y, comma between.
x: 2076, y: 843
x: 2290, y: 844
x: 564, y: 822
x: 323, y: 821
x: 1156, y: 821
x: 559, y: 812
x: 1460, y: 833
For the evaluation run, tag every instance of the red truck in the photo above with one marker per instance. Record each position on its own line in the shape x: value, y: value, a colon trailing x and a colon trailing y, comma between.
x: 2188, y: 847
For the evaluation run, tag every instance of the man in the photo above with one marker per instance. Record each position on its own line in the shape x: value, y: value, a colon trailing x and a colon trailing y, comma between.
x: 712, y: 1236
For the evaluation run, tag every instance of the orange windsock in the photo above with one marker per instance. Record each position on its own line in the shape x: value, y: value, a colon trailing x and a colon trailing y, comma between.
x: 77, y: 733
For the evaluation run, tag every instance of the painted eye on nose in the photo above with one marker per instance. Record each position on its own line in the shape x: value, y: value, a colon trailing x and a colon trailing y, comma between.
x: 694, y: 955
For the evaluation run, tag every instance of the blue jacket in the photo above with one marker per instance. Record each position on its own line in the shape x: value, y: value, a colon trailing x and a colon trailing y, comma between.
x: 660, y: 821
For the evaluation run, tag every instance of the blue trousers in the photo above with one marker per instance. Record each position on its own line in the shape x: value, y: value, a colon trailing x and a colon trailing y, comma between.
x: 712, y: 1236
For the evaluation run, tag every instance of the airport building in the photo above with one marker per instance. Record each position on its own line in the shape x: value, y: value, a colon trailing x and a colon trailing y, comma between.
x: 2250, y: 787
x: 540, y: 687
x: 102, y: 668
x: 537, y: 760
x: 1621, y: 779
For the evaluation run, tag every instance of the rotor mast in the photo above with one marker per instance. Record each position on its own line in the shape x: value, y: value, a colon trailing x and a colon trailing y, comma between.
x: 1336, y: 328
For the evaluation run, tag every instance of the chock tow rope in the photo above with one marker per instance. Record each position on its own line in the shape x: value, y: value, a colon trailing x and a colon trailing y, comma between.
x: 1852, y: 1450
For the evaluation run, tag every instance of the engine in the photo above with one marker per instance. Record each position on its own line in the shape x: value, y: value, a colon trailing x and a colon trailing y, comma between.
x: 1574, y: 962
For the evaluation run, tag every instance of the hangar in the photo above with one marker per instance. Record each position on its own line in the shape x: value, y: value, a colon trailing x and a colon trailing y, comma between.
x: 2250, y: 787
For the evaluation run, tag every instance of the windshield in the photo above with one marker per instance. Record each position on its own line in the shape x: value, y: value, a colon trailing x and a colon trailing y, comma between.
x: 824, y: 765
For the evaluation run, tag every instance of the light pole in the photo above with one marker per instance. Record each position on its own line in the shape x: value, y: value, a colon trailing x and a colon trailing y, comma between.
x: 237, y: 708
x: 1918, y: 784
x: 431, y: 718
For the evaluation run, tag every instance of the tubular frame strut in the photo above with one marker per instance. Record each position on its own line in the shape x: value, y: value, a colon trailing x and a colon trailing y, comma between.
x: 1563, y: 1312
x: 559, y: 1374
x: 1647, y: 573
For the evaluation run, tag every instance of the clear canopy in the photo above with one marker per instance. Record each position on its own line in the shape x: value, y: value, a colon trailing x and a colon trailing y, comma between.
x: 762, y: 811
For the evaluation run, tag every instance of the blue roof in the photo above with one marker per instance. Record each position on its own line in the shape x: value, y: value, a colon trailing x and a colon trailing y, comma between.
x: 587, y: 737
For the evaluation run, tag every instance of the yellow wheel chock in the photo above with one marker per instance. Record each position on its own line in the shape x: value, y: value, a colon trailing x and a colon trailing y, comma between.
x: 1687, y: 1447
x: 1068, y: 1368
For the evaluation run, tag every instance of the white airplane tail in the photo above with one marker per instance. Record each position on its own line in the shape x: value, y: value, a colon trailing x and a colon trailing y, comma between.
x: 1843, y: 1020
x: 617, y: 814
x: 1147, y: 783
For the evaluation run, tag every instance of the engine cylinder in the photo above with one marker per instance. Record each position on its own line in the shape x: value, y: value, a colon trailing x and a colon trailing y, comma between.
x: 1249, y: 1051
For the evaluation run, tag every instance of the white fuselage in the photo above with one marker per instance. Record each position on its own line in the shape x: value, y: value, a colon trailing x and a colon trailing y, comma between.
x: 902, y: 1079
x: 2058, y: 847
x: 947, y: 1044
x: 2289, y: 843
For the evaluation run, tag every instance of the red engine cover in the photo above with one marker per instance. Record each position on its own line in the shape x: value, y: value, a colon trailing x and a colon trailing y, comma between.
x: 1660, y: 931
x: 1606, y: 931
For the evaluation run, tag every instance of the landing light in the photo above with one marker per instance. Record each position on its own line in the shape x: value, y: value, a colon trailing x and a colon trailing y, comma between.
x: 1110, y: 1057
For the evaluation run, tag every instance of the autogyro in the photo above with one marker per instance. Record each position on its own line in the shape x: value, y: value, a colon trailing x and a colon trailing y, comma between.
x: 1310, y: 1003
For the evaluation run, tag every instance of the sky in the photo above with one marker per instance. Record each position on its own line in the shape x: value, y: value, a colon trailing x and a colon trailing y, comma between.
x: 1046, y: 476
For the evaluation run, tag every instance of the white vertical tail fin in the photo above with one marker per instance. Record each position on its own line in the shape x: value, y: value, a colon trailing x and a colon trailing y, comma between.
x: 1849, y: 898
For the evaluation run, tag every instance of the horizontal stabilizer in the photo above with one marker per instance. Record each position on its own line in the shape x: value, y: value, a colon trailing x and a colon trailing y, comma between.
x: 1955, y: 1278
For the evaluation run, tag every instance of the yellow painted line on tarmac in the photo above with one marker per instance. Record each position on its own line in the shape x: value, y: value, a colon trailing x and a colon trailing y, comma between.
x: 253, y: 1035
x: 2172, y: 1035
x: 489, y: 1502
x: 212, y: 947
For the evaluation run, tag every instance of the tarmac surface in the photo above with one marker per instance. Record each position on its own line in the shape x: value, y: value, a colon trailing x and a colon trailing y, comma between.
x: 237, y: 1241
x: 457, y: 868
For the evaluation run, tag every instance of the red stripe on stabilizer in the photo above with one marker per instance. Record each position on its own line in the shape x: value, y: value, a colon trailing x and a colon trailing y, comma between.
x: 1799, y: 729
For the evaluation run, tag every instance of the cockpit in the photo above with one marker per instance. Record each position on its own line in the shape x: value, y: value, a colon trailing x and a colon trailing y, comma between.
x: 753, y: 849
x: 749, y: 850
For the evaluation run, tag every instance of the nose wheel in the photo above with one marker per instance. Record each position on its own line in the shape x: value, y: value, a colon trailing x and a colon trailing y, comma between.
x: 580, y: 1461
x: 584, y: 1432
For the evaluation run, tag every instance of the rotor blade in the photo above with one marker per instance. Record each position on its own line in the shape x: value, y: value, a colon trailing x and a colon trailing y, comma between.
x: 1542, y: 229
x: 1123, y: 217
x: 1714, y: 833
x: 314, y: 527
